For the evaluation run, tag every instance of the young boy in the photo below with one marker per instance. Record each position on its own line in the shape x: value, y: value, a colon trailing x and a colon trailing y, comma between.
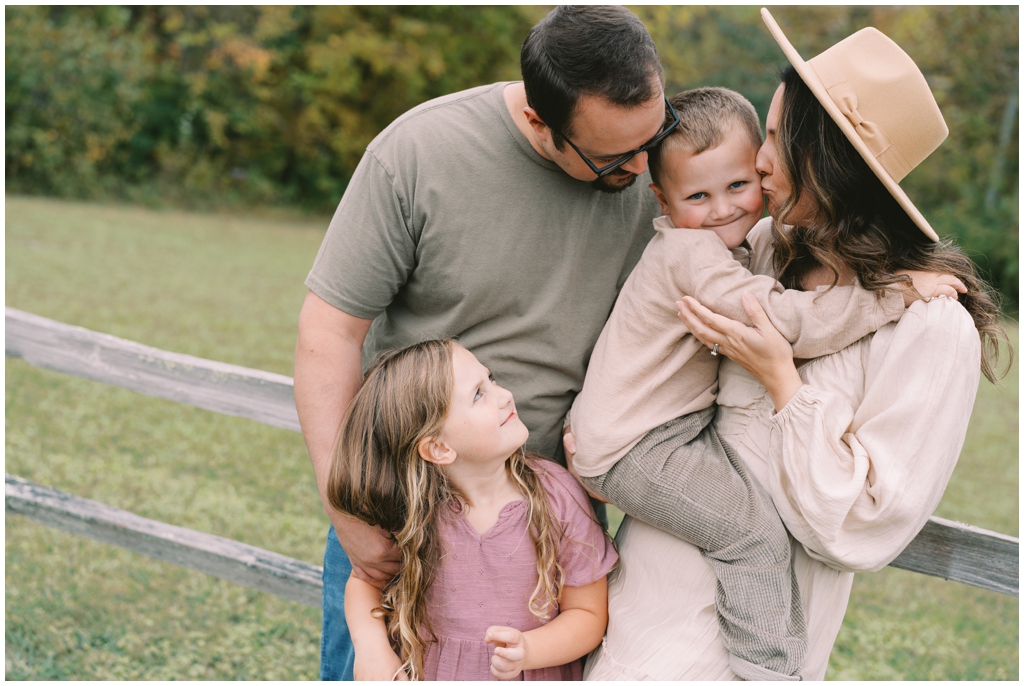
x: 642, y: 421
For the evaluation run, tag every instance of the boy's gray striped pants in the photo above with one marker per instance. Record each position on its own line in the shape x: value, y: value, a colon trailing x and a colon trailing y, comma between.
x: 683, y: 478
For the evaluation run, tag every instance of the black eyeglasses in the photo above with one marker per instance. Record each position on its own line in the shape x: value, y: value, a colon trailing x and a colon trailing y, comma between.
x: 609, y: 168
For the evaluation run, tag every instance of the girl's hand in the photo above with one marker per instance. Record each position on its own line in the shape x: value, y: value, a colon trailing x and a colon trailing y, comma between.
x: 378, y: 665
x: 759, y: 349
x: 510, y: 650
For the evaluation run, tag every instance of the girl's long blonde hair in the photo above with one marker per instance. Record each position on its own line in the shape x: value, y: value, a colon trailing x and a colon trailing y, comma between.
x: 378, y: 476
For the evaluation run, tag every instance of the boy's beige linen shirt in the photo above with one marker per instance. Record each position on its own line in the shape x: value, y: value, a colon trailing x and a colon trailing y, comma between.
x: 647, y: 368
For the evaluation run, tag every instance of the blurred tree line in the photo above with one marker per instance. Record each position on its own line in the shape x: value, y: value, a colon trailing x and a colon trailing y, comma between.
x: 237, y: 105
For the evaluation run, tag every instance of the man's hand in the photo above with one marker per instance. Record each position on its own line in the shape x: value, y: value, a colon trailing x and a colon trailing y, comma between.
x: 510, y: 651
x: 372, y: 551
x: 928, y: 285
x: 569, y: 443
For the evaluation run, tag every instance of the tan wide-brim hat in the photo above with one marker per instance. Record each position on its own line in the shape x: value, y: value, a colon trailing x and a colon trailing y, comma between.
x: 880, y: 100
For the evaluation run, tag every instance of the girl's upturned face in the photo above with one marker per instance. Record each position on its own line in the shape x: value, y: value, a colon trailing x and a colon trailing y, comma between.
x: 483, y: 425
x: 774, y: 184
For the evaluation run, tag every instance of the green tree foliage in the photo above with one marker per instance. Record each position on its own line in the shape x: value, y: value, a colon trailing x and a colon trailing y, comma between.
x: 74, y: 79
x: 274, y: 105
x: 268, y: 105
x: 970, y: 184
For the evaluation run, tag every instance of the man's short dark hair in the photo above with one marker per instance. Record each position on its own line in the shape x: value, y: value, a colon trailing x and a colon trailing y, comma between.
x: 588, y: 50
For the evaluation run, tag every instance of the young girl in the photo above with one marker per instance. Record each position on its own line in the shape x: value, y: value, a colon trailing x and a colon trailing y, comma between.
x: 503, y: 564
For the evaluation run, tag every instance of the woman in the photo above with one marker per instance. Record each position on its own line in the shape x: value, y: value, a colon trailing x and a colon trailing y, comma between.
x: 855, y: 448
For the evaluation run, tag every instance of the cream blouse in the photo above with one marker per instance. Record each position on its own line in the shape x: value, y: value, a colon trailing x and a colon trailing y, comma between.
x: 856, y: 463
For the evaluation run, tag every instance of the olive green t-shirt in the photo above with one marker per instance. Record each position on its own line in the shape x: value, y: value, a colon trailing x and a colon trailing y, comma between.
x: 454, y: 226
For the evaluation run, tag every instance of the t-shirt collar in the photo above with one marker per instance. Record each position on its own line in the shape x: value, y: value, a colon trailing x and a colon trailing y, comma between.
x: 498, y: 99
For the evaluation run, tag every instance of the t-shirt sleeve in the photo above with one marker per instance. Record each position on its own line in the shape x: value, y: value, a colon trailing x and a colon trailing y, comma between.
x: 370, y: 247
x: 585, y: 551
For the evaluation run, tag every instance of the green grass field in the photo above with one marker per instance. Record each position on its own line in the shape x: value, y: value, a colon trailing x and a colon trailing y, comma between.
x: 229, y: 288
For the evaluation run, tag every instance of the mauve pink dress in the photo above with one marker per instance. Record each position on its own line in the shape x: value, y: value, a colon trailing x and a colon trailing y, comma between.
x: 487, y: 579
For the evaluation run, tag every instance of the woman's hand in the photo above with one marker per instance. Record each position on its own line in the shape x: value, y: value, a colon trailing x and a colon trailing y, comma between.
x: 510, y: 651
x: 760, y: 349
x: 928, y: 285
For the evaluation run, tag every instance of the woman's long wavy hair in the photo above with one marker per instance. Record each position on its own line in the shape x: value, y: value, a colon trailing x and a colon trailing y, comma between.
x: 378, y: 476
x: 856, y: 221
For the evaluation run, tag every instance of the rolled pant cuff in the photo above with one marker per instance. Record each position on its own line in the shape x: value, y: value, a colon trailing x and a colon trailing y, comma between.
x: 751, y: 672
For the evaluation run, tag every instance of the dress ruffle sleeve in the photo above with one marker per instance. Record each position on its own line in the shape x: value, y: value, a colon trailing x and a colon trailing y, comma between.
x: 586, y: 553
x: 855, y: 473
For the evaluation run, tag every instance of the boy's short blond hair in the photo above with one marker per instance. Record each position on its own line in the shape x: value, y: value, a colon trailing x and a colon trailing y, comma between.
x: 705, y: 116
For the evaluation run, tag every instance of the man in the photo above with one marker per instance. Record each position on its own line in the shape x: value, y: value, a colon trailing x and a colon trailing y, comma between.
x: 508, y: 216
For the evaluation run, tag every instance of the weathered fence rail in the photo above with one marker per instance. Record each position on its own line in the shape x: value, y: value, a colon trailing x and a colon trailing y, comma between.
x: 954, y: 551
x: 217, y: 386
x: 221, y: 557
x: 964, y: 553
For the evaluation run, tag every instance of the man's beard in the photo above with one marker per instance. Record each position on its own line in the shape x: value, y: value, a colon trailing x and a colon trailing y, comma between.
x: 603, y: 184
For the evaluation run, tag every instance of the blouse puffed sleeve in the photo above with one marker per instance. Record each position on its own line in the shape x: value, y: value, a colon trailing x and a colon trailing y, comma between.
x: 855, y: 473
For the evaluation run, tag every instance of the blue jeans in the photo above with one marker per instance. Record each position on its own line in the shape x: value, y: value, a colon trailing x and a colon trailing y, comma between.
x: 337, y: 655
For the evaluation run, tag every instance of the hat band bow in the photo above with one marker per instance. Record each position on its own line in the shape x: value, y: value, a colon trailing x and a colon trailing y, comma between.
x: 873, y: 136
x: 871, y: 133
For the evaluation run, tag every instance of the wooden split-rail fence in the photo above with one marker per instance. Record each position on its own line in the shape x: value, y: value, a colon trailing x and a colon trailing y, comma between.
x: 954, y: 551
